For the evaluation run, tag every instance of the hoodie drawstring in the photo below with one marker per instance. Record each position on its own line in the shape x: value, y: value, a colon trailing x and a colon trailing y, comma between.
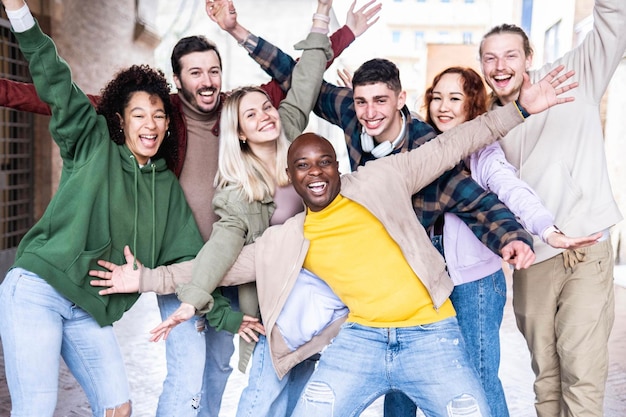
x: 153, y: 214
x: 136, y: 167
x: 136, y: 223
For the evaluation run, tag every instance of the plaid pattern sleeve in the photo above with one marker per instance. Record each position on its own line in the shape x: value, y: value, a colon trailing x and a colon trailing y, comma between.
x: 276, y: 64
x: 336, y: 105
x: 488, y: 218
x: 456, y: 192
x: 279, y: 65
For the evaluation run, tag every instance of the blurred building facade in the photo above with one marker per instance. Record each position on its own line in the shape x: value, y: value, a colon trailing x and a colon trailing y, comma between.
x: 421, y: 36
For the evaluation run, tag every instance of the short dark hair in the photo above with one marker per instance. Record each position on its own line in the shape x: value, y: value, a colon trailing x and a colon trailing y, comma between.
x: 378, y: 70
x: 508, y: 28
x: 116, y: 95
x: 188, y: 45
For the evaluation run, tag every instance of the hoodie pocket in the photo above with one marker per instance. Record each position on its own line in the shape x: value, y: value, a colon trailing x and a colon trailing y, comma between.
x: 78, y: 269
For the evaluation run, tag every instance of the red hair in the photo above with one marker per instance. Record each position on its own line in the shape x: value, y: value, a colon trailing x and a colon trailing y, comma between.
x: 473, y: 88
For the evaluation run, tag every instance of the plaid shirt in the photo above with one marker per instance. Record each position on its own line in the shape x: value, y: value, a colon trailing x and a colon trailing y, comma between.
x: 454, y: 191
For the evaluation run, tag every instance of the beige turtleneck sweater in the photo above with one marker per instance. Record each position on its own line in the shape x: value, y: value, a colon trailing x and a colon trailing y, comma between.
x: 200, y: 166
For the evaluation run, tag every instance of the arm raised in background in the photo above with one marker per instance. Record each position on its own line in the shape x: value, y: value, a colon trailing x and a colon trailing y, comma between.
x: 23, y: 97
x: 274, y: 61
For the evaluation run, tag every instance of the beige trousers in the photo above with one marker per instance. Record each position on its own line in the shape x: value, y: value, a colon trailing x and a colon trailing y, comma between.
x: 565, y: 309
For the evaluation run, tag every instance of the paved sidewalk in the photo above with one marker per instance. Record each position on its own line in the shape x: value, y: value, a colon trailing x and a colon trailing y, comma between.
x: 146, y: 370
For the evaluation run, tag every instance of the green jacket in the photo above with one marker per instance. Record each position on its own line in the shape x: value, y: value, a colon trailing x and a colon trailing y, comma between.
x: 104, y: 200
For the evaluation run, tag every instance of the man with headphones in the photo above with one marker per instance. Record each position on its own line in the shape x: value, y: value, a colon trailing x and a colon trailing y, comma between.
x: 376, y: 123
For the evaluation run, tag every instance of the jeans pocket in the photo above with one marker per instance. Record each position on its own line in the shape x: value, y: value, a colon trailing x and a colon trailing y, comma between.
x: 499, y: 283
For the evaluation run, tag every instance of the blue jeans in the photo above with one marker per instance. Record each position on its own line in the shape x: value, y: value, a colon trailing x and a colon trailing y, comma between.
x: 266, y: 395
x: 428, y: 363
x: 198, y: 365
x: 38, y: 326
x: 217, y: 369
x: 479, y: 307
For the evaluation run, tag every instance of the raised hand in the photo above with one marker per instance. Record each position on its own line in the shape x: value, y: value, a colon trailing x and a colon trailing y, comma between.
x: 345, y: 78
x: 118, y: 278
x: 518, y: 254
x: 546, y: 92
x: 223, y: 13
x: 182, y: 314
x: 362, y: 19
x: 561, y: 241
x: 249, y: 328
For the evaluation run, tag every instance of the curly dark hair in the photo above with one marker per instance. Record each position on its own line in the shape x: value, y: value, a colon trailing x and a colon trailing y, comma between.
x: 117, y: 94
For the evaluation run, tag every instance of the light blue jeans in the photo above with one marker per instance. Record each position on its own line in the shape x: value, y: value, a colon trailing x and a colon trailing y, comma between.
x: 479, y: 308
x: 428, y: 363
x: 198, y: 365
x: 266, y: 395
x: 217, y: 369
x: 38, y: 326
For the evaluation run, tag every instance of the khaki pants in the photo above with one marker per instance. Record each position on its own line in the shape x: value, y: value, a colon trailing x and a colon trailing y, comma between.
x: 565, y: 309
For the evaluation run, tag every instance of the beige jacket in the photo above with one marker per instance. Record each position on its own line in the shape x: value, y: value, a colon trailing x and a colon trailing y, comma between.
x: 384, y: 187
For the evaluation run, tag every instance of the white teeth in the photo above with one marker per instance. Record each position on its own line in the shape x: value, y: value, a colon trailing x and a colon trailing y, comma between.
x: 206, y: 93
x: 317, y: 186
x: 501, y: 77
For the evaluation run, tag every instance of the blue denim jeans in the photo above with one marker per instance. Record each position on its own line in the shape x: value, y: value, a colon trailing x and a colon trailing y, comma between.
x: 185, y: 350
x: 217, y: 369
x: 38, y: 326
x: 266, y: 395
x: 198, y: 364
x: 479, y: 308
x: 428, y: 363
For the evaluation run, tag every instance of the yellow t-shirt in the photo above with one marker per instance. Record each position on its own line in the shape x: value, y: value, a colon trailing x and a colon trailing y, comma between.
x: 345, y: 238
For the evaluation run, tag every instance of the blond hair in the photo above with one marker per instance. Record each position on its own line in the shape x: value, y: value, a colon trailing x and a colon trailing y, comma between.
x: 238, y: 166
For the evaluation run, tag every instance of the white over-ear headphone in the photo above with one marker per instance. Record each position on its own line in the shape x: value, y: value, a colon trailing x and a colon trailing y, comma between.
x: 383, y: 148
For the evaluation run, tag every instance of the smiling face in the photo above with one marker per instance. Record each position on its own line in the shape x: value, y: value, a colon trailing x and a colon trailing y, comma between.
x: 447, y: 107
x: 378, y: 110
x: 259, y: 122
x: 144, y: 123
x: 200, y: 80
x: 313, y: 170
x: 503, y: 62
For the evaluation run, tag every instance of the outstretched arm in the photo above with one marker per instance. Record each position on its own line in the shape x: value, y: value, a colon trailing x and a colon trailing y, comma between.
x: 272, y: 60
x: 456, y: 192
x: 23, y: 97
x: 307, y: 74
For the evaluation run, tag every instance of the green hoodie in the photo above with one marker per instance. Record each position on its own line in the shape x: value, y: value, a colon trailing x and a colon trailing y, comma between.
x: 104, y: 201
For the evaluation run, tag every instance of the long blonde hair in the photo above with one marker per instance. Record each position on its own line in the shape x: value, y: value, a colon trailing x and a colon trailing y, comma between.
x: 237, y: 165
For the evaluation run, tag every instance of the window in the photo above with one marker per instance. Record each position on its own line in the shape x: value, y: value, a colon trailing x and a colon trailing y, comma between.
x: 551, y: 43
x: 467, y: 38
x: 445, y: 1
x: 469, y: 1
x: 418, y: 36
x: 395, y: 36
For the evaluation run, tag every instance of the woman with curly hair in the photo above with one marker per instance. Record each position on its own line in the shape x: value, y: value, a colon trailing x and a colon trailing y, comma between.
x: 115, y: 190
